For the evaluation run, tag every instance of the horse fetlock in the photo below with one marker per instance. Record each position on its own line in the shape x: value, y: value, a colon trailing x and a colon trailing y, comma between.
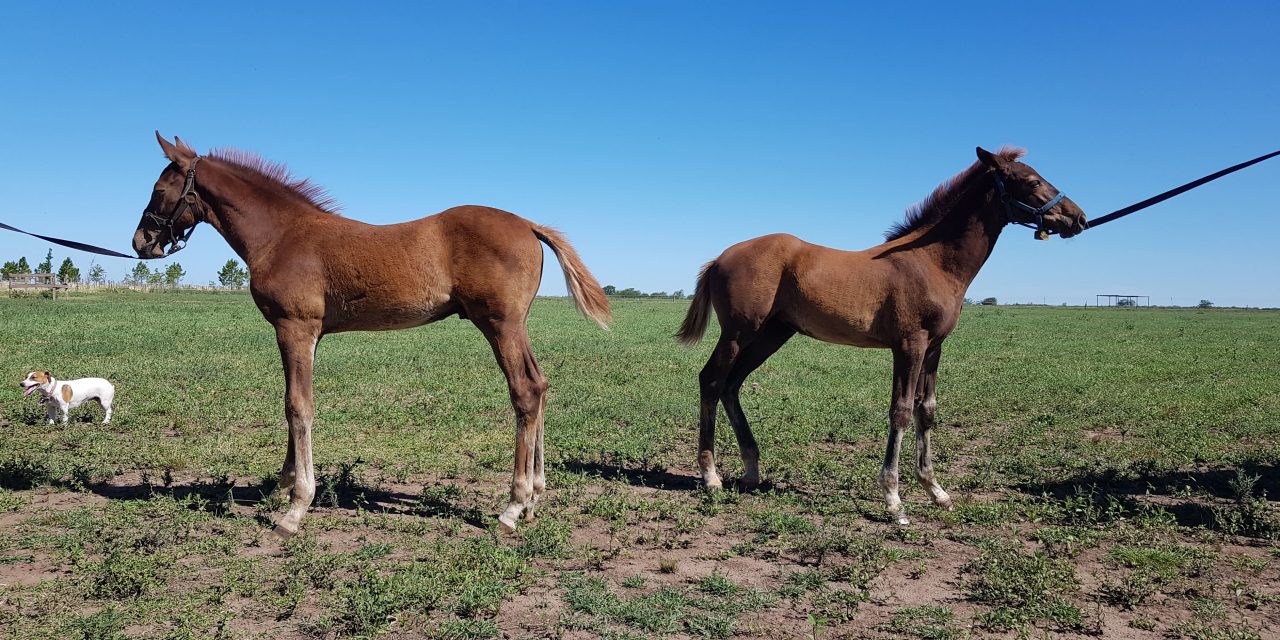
x: 889, y: 480
x: 750, y: 475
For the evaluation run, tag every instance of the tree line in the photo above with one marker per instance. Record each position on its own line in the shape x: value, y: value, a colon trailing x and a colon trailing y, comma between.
x: 168, y: 275
x: 629, y: 292
x: 67, y: 273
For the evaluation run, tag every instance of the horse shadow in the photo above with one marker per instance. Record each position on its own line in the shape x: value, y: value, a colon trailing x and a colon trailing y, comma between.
x: 654, y: 477
x: 221, y: 496
x: 1195, y: 498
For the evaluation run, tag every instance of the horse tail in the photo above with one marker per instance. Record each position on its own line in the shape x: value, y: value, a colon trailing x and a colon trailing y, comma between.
x: 583, y: 287
x: 695, y: 321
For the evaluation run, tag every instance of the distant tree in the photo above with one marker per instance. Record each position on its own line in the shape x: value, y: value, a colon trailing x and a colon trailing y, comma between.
x: 630, y: 292
x: 677, y: 294
x: 173, y: 274
x: 970, y: 301
x: 23, y: 267
x: 658, y: 294
x: 141, y: 274
x: 47, y: 265
x: 232, y: 275
x: 610, y: 290
x: 156, y: 277
x: 9, y: 268
x: 97, y: 275
x: 989, y: 302
x: 68, y: 272
x: 1205, y: 304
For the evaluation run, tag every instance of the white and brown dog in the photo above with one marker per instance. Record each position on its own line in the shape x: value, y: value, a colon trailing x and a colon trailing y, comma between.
x: 69, y: 394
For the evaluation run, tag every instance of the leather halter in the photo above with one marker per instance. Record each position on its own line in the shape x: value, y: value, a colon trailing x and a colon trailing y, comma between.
x: 187, y: 200
x: 1037, y: 213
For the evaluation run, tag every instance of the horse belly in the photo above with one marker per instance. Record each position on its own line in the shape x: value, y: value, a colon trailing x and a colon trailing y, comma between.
x: 830, y: 325
x: 366, y: 313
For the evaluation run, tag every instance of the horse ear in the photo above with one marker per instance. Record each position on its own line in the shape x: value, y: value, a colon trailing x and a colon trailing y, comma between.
x: 182, y: 155
x: 987, y: 158
x: 182, y: 146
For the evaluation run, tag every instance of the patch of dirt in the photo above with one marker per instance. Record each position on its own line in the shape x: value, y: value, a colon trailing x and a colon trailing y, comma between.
x: 656, y: 552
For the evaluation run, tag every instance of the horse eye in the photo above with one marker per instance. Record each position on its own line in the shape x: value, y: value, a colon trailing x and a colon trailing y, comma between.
x: 1035, y: 184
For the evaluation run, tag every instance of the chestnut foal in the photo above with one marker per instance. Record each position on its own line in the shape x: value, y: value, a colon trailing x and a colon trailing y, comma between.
x: 903, y: 295
x: 313, y: 272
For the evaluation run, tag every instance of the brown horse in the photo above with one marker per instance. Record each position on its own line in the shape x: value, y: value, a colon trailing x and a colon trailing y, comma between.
x: 903, y: 295
x: 313, y: 272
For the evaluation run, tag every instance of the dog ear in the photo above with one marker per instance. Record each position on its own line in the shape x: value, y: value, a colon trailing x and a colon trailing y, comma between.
x: 47, y: 374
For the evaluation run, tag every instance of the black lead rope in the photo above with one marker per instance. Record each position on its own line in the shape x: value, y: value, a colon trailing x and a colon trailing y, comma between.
x: 79, y: 246
x: 1120, y: 213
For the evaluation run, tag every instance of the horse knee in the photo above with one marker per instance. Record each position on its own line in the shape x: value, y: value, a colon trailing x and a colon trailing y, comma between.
x: 927, y: 409
x: 900, y: 413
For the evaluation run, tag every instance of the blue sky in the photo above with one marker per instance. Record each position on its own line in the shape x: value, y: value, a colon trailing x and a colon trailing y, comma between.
x: 655, y: 134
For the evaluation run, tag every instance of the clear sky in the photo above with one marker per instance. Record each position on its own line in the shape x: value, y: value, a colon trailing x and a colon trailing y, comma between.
x: 655, y: 134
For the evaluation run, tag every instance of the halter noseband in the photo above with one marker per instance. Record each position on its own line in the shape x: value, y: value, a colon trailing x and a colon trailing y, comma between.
x: 1037, y: 214
x: 187, y: 200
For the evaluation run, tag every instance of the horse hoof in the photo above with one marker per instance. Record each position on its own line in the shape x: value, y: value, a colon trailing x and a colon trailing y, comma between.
x: 282, y: 532
x: 748, y: 484
x: 506, y: 524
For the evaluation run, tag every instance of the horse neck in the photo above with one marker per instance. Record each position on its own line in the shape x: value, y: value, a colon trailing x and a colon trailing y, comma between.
x: 962, y: 240
x: 246, y: 209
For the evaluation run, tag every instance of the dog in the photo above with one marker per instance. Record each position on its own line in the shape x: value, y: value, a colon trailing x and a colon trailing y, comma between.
x: 69, y: 394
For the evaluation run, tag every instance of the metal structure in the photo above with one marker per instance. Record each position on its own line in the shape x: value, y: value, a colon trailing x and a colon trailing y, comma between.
x: 36, y: 281
x: 1113, y: 299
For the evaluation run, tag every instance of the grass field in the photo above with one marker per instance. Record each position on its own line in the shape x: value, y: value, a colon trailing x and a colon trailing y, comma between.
x: 1113, y: 470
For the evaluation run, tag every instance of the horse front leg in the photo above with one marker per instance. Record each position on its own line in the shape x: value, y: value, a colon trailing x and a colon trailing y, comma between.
x: 907, y: 363
x: 926, y: 409
x: 297, y: 342
x: 284, y: 487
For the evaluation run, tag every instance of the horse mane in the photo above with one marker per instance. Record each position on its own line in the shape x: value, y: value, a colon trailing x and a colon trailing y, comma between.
x: 929, y: 211
x: 278, y: 173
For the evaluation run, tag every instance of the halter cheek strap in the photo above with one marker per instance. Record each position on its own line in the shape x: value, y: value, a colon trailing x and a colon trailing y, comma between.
x: 1037, y: 213
x: 187, y: 200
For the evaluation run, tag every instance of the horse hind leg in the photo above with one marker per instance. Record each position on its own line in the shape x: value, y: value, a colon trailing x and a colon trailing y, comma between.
x: 539, y: 477
x: 528, y: 388
x: 926, y: 409
x: 711, y: 385
x: 765, y: 345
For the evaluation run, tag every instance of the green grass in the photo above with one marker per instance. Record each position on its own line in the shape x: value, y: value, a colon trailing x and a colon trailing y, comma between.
x: 1104, y: 463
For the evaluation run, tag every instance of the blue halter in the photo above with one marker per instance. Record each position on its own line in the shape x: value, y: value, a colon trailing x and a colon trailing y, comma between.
x: 1036, y: 213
